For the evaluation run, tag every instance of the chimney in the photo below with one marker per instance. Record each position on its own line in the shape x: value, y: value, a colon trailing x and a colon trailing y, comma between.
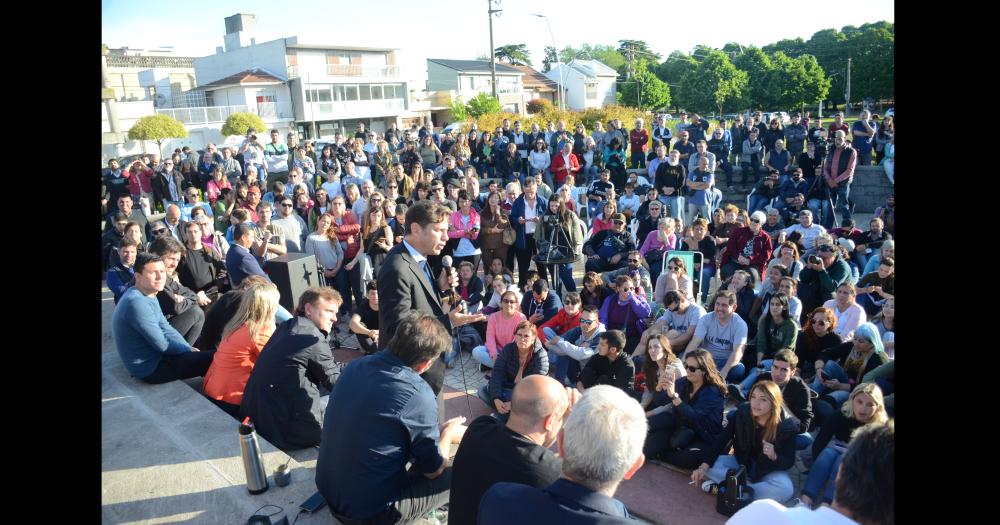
x: 240, y: 31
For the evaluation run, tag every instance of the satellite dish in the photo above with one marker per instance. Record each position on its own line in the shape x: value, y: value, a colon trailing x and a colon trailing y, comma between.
x: 160, y: 100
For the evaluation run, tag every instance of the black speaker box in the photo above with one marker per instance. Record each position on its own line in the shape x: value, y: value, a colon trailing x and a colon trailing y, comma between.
x: 292, y: 273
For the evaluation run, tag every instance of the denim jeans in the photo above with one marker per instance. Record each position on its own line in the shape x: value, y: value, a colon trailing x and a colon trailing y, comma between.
x: 861, y: 258
x: 707, y: 272
x: 762, y: 367
x: 823, y: 471
x: 832, y: 370
x: 566, y: 273
x: 694, y: 209
x: 735, y: 373
x: 639, y: 159
x: 803, y: 441
x: 758, y: 202
x: 676, y: 204
x: 821, y: 211
x: 565, y: 369
x: 776, y: 485
x: 865, y: 159
x: 727, y: 168
x: 840, y: 196
x: 482, y: 356
x: 505, y: 395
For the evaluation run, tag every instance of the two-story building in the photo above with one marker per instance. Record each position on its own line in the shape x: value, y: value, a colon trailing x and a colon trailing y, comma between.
x: 450, y: 79
x: 588, y: 83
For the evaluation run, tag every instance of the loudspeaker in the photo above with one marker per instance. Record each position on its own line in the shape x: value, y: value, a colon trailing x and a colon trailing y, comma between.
x: 292, y: 273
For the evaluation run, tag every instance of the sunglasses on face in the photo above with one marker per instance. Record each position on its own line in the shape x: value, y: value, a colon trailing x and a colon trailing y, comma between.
x: 819, y: 321
x: 160, y: 231
x: 692, y: 369
x: 286, y: 205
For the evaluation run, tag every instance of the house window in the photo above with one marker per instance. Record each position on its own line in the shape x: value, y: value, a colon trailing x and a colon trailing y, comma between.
x: 376, y: 92
x: 351, y: 91
x: 470, y: 83
x: 365, y: 91
x: 338, y: 93
x: 591, y: 91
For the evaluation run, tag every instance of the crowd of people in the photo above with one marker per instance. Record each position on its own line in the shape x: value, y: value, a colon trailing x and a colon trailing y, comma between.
x: 418, y: 236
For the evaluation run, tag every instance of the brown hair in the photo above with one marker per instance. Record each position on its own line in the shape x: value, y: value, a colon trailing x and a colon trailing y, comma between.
x: 424, y: 213
x: 650, y: 367
x: 314, y: 294
x: 773, y: 393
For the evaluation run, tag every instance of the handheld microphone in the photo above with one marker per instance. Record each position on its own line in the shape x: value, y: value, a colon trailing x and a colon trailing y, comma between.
x: 446, y: 262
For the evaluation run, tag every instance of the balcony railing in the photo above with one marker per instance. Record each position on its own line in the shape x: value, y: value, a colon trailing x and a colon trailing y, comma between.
x: 205, y: 115
x: 293, y: 72
x: 357, y: 70
x: 348, y: 109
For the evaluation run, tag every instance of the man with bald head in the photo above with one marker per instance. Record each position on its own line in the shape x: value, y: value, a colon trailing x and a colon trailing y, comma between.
x: 517, y: 452
x: 173, y: 221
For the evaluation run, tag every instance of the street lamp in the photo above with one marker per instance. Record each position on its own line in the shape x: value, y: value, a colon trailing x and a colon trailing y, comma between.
x: 562, y: 95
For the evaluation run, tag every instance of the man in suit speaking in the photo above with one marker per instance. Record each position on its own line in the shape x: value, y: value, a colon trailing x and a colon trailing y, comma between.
x: 405, y: 282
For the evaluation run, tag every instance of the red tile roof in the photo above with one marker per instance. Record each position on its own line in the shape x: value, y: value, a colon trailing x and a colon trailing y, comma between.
x: 250, y: 76
x: 533, y: 79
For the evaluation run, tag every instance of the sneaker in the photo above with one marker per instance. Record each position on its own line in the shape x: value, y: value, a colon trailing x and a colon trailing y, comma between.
x: 710, y: 487
x: 736, y: 393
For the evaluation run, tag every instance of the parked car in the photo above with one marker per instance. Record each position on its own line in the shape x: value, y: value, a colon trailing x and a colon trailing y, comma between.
x: 890, y: 112
x: 453, y: 128
x: 782, y: 116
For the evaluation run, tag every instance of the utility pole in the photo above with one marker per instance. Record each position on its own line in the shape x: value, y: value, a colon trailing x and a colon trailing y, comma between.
x: 493, y: 58
x: 630, y: 54
x: 847, y: 94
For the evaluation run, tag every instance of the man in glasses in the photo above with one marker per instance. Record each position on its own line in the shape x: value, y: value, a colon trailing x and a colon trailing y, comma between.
x: 192, y: 199
x: 295, y: 228
x: 821, y: 276
x: 634, y: 268
x: 608, y: 249
x: 569, y: 352
x: 437, y: 195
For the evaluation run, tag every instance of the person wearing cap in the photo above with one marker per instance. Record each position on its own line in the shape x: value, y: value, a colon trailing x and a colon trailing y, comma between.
x: 749, y: 248
x: 806, y: 228
x: 608, y: 249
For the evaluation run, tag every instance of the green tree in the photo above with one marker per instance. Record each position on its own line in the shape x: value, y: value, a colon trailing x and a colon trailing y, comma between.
x: 645, y: 90
x: 459, y: 111
x: 606, y: 55
x: 238, y: 123
x: 830, y: 48
x: 715, y: 84
x: 762, y: 92
x: 873, y: 65
x: 157, y: 128
x: 550, y: 58
x: 791, y: 47
x: 483, y: 104
x: 801, y: 80
x: 672, y: 70
x: 515, y: 54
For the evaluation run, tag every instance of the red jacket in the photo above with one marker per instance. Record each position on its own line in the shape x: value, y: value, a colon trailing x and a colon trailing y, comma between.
x: 559, y: 165
x: 639, y: 139
x: 349, y: 231
x: 141, y: 184
x: 761, y: 247
x: 561, y: 323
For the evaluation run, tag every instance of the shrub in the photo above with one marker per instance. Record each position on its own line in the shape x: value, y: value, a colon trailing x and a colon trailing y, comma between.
x: 538, y: 105
x: 237, y: 124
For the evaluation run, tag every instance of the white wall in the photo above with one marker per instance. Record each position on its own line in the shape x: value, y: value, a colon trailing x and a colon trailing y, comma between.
x: 268, y: 55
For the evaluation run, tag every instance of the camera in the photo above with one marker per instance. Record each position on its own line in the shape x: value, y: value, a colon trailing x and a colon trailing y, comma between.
x: 814, y: 259
x: 253, y: 137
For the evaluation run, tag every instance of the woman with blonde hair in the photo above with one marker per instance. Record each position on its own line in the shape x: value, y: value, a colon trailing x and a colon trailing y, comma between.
x: 762, y: 434
x: 242, y: 341
x: 461, y: 150
x: 865, y: 405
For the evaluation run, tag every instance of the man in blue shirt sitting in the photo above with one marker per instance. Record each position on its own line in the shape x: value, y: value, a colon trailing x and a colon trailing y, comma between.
x: 601, y: 444
x: 150, y: 348
x: 381, y: 415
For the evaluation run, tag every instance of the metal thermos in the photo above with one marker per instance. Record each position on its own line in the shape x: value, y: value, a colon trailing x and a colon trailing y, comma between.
x: 253, y: 462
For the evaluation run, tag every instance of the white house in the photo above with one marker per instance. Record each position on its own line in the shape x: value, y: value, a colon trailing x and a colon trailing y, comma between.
x: 588, y: 83
x: 468, y: 78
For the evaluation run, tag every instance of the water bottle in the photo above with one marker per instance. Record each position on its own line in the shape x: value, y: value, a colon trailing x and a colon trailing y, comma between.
x: 253, y: 463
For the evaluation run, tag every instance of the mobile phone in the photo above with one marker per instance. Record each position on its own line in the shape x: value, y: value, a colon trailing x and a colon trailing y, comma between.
x: 314, y: 503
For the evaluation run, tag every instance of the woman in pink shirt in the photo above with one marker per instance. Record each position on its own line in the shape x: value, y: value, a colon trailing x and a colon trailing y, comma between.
x: 500, y: 329
x: 603, y: 221
x: 216, y: 184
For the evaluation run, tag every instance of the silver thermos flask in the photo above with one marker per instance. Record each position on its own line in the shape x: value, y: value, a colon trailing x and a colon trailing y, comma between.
x: 253, y: 462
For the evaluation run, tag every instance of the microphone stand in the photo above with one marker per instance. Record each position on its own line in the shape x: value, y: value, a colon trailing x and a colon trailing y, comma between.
x: 454, y: 336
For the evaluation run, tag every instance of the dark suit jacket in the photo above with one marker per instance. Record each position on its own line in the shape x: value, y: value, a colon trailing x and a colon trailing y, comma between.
x: 561, y: 502
x: 403, y: 286
x: 241, y: 263
x: 161, y: 187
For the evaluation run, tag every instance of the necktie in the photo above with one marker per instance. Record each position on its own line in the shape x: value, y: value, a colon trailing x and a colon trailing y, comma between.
x: 427, y: 271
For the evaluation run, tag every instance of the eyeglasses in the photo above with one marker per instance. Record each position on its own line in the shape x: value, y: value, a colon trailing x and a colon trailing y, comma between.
x: 626, y: 289
x: 692, y: 369
x: 755, y: 221
x: 672, y: 267
x: 158, y: 232
x: 819, y: 321
x: 376, y: 201
x: 393, y: 186
x: 586, y: 321
x: 286, y: 205
x: 618, y: 222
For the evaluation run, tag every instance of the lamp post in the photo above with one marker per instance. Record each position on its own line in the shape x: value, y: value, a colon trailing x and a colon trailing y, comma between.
x: 562, y: 95
x: 493, y: 60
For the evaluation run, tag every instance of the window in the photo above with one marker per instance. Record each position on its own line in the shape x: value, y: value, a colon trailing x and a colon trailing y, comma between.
x: 365, y: 91
x: 352, y: 92
x: 338, y: 93
x: 591, y: 91
x: 470, y: 83
x: 377, y: 92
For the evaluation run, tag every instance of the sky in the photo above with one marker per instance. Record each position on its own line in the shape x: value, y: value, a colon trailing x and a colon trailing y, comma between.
x: 459, y: 29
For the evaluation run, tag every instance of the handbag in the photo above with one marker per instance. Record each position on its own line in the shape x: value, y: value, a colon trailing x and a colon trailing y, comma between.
x: 734, y: 494
x: 509, y: 235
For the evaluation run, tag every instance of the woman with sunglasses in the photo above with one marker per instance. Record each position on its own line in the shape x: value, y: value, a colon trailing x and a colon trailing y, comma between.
x: 885, y: 321
x: 675, y: 278
x: 627, y: 311
x: 681, y: 434
x: 500, y: 326
x: 762, y: 435
x: 748, y: 249
x: 864, y: 406
x: 817, y: 335
x: 850, y: 314
x: 840, y: 368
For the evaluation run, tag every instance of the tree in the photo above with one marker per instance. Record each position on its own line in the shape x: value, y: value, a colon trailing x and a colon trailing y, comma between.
x: 515, y: 54
x: 791, y: 47
x: 607, y: 55
x: 157, y: 128
x: 873, y: 65
x: 483, y: 104
x: 238, y: 123
x: 672, y: 70
x: 799, y: 81
x: 459, y: 111
x: 652, y: 92
x: 550, y: 58
x: 715, y: 84
x: 762, y: 92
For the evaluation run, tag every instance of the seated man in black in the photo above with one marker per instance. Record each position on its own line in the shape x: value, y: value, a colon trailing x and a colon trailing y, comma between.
x: 607, y: 249
x: 282, y: 396
x: 381, y: 415
x: 181, y: 305
x: 601, y: 444
x: 540, y: 305
x: 518, y: 452
x: 612, y: 366
x: 201, y: 269
x: 364, y: 320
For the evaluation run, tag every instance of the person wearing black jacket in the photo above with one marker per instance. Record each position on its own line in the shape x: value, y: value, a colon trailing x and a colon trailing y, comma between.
x: 523, y: 357
x: 797, y: 395
x: 180, y: 304
x: 200, y: 268
x: 611, y: 366
x: 607, y: 249
x: 282, y: 395
x: 718, y: 146
x: 669, y: 180
x: 763, y: 436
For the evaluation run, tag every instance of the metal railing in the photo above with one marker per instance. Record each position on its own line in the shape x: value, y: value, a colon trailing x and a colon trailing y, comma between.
x: 357, y: 70
x: 204, y: 115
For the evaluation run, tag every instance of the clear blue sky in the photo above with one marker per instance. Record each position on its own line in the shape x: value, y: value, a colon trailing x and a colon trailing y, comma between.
x: 458, y: 29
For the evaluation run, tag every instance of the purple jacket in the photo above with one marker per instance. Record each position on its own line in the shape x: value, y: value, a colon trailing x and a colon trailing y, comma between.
x: 629, y: 317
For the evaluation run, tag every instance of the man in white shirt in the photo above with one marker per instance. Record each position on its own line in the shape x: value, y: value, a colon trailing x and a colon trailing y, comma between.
x: 678, y: 322
x: 806, y: 228
x: 293, y: 225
